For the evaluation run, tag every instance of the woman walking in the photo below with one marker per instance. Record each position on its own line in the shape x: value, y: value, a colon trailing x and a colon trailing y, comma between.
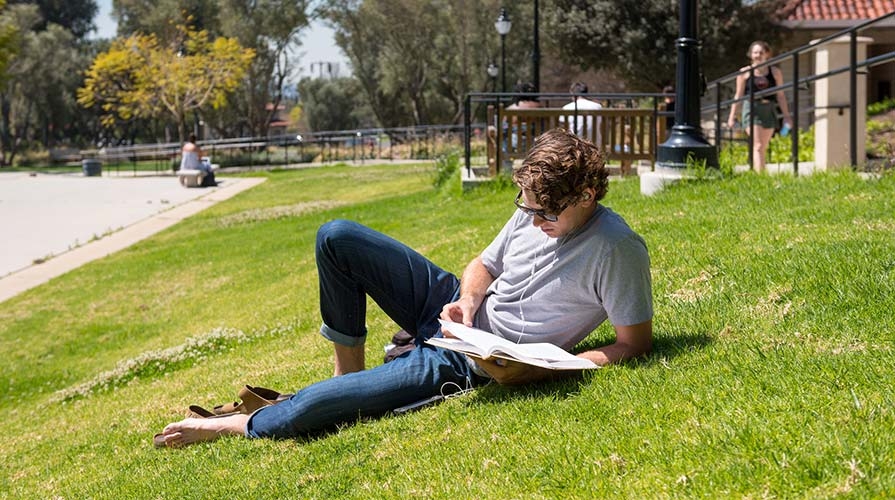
x: 764, y: 115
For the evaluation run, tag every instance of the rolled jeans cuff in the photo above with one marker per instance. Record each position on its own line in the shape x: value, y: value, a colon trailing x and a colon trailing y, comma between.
x: 340, y: 338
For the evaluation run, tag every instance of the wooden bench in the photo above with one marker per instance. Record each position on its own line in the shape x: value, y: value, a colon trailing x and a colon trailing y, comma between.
x: 624, y: 134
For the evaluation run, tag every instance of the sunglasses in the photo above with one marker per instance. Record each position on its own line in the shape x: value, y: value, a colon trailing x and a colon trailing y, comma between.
x: 531, y: 211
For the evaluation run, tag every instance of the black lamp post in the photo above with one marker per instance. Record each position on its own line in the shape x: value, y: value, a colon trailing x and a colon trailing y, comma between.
x: 536, y: 55
x: 493, y: 71
x: 503, y: 26
x: 686, y: 139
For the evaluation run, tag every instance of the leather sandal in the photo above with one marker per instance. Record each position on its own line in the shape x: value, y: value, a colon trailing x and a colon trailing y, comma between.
x: 253, y: 398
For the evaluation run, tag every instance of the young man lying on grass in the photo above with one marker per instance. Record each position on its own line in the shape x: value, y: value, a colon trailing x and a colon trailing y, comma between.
x: 560, y: 266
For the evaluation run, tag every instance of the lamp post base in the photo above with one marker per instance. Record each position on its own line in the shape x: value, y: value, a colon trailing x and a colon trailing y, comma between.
x: 681, y: 146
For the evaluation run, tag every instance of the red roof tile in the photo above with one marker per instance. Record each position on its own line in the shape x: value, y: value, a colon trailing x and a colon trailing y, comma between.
x: 836, y: 10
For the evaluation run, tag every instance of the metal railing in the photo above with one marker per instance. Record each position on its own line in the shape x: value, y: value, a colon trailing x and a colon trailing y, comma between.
x: 717, y: 103
x: 359, y: 145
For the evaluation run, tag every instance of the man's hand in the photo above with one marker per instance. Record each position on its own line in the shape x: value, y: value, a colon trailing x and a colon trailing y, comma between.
x: 473, y: 286
x: 507, y: 372
x: 461, y: 311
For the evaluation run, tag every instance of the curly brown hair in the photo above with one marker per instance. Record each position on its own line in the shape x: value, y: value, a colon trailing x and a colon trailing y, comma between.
x: 559, y: 168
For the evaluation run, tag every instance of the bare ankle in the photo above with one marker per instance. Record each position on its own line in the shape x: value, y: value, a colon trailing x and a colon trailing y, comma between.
x: 348, y: 359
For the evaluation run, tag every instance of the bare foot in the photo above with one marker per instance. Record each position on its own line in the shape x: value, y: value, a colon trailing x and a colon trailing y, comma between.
x: 198, y: 430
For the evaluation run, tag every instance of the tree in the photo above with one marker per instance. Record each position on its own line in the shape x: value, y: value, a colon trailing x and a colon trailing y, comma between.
x: 637, y: 38
x: 273, y: 38
x: 36, y: 101
x: 75, y: 16
x: 269, y: 27
x: 139, y: 77
x: 334, y: 104
x: 358, y: 38
x: 8, y: 39
x: 416, y: 59
x: 163, y: 18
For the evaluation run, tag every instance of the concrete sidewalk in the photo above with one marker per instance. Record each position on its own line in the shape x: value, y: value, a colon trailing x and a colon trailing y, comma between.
x: 52, y: 224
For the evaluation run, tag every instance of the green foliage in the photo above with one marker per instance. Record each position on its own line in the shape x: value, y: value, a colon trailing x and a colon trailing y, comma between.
x: 729, y: 156
x: 334, y: 104
x: 140, y: 77
x: 733, y: 154
x: 415, y: 60
x: 696, y: 168
x: 636, y: 37
x: 780, y: 148
x: 8, y: 39
x: 162, y: 17
x: 880, y: 107
x: 447, y: 169
x: 880, y: 126
x: 42, y: 72
x: 880, y: 135
x: 74, y: 16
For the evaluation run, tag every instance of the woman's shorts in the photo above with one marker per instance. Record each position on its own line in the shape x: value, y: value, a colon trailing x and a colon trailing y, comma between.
x: 765, y: 114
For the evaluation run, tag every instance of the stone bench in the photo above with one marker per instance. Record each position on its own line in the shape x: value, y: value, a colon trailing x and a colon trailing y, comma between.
x: 190, y: 178
x: 193, y: 177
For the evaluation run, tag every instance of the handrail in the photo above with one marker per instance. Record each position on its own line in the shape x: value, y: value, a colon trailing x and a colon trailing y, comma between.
x: 798, y: 82
x: 330, y: 145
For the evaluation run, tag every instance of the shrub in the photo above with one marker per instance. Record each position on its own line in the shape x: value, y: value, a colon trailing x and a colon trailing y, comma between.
x: 446, y: 167
x: 881, y: 107
x: 780, y: 148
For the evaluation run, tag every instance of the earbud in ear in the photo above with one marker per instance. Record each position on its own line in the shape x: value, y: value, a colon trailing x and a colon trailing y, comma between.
x: 586, y: 196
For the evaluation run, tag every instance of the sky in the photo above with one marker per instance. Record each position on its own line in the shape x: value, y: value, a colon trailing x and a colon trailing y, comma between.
x: 317, y: 43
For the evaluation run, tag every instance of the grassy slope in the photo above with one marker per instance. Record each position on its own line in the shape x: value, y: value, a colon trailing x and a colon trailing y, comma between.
x: 772, y: 373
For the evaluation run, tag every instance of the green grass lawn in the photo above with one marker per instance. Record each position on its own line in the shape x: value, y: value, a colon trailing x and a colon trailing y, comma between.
x: 772, y: 374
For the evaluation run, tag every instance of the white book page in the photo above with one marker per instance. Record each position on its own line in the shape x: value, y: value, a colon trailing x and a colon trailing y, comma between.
x: 489, y: 344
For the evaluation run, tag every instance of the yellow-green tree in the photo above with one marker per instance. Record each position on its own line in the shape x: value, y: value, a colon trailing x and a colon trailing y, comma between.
x: 8, y: 46
x: 139, y: 77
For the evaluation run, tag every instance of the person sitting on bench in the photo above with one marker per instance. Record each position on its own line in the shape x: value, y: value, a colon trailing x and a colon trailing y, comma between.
x: 191, y: 159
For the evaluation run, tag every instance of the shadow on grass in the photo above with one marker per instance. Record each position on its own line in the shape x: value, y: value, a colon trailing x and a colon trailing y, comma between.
x: 665, y: 348
x: 670, y: 346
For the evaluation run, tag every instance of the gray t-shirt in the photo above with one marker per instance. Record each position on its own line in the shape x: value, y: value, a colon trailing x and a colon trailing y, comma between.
x: 558, y: 290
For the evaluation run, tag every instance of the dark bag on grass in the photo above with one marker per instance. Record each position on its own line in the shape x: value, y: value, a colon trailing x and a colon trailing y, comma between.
x: 401, y: 342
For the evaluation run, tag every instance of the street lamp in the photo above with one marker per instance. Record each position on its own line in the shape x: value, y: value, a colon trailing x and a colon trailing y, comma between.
x: 493, y: 71
x: 536, y: 54
x: 686, y: 139
x: 503, y: 26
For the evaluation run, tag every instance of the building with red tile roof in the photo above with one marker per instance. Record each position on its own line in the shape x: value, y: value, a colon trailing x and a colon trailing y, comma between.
x: 834, y: 12
x: 810, y: 20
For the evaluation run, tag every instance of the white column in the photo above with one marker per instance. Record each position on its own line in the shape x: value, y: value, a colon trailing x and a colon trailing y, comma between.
x: 831, y: 129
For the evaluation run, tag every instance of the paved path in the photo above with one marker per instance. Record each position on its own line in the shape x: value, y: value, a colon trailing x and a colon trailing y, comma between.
x: 66, y: 221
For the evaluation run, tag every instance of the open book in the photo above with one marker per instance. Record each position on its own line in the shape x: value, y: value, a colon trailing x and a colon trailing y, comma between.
x: 481, y: 344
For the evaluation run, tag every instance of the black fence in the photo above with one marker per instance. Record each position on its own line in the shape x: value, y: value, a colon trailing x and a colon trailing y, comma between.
x: 402, y: 143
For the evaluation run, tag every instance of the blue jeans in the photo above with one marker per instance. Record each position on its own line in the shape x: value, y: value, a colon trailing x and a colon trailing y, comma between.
x: 354, y: 261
